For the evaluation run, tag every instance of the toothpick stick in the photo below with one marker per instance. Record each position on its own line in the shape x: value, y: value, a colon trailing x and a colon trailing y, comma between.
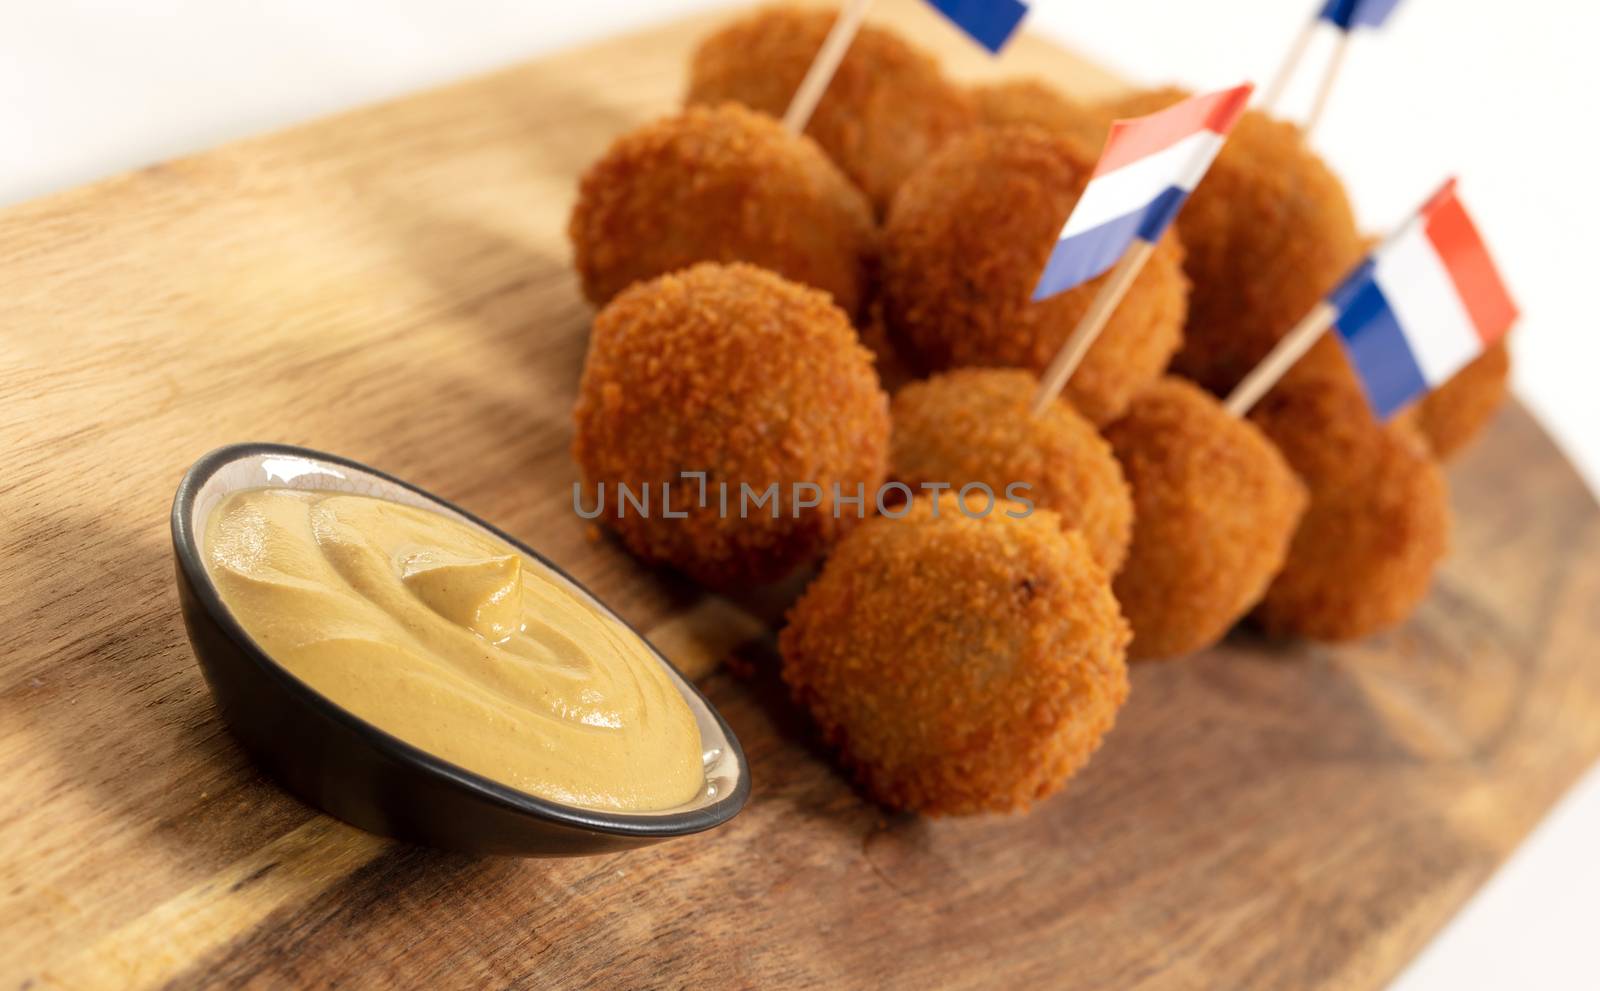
x: 1289, y: 350
x: 825, y: 65
x: 1094, y: 321
x: 1328, y: 78
x: 1286, y: 72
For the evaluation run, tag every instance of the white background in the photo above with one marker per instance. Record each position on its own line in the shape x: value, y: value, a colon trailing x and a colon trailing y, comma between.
x: 1501, y: 94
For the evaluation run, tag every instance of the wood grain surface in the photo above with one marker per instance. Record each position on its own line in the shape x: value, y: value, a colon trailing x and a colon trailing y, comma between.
x: 394, y: 285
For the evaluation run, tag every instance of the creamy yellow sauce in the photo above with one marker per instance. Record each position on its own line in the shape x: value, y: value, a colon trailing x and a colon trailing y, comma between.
x: 456, y: 643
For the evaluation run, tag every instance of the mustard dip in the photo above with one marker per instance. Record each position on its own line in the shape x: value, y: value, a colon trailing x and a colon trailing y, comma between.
x: 439, y: 634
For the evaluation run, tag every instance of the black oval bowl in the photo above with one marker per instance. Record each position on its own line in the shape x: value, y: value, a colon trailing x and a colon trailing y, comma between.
x: 349, y: 768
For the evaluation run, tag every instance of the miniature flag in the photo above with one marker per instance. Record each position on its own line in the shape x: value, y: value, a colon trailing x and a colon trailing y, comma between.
x: 1425, y: 303
x: 1147, y: 169
x: 1347, y: 15
x: 991, y: 23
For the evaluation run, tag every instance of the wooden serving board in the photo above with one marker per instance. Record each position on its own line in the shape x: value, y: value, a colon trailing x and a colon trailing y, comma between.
x: 393, y: 285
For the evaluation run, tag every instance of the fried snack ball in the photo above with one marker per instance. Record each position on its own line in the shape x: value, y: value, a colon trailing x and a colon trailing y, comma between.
x: 974, y: 425
x: 886, y: 109
x: 1215, y: 507
x: 963, y: 247
x: 736, y: 372
x: 1453, y: 415
x: 1378, y: 522
x: 1268, y: 232
x: 959, y: 665
x: 1030, y: 102
x: 720, y: 184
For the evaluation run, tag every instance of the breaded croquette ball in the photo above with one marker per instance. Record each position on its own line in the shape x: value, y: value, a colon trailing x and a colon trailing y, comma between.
x: 1378, y: 522
x: 886, y: 109
x: 964, y: 245
x: 973, y: 425
x: 1451, y: 416
x: 959, y: 665
x: 1030, y: 102
x: 1268, y: 232
x: 721, y: 184
x: 1215, y: 506
x: 751, y: 379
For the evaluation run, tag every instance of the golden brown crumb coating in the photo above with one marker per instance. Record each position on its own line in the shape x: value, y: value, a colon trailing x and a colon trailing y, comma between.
x: 973, y: 425
x: 1453, y: 415
x: 721, y: 184
x: 959, y: 665
x: 1268, y: 232
x: 1215, y: 507
x: 1032, y: 102
x: 887, y: 108
x: 736, y: 372
x: 964, y: 244
x: 1378, y: 522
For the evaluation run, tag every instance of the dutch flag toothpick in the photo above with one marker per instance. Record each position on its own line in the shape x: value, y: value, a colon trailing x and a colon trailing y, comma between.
x: 990, y: 23
x: 1347, y: 15
x: 1424, y: 304
x: 1148, y: 168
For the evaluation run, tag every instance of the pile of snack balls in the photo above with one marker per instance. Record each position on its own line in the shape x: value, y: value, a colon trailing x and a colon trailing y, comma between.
x: 964, y: 647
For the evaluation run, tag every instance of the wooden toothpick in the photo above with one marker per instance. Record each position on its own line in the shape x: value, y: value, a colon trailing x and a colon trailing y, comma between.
x: 1289, y: 350
x: 1329, y: 77
x: 1280, y: 82
x: 1094, y: 321
x: 825, y: 65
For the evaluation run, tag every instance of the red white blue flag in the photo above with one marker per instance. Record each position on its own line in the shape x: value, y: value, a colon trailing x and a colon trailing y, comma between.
x: 1148, y: 168
x: 991, y: 23
x: 1350, y: 14
x: 1424, y: 304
